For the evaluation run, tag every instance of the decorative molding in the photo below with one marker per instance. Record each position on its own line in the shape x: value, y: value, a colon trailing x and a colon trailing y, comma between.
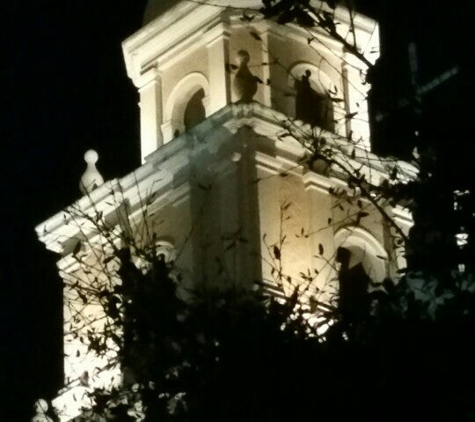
x: 176, y: 154
x: 352, y: 236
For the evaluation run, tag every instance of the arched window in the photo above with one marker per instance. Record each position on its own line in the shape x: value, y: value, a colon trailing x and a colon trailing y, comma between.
x: 194, y: 111
x: 364, y: 249
x: 313, y: 103
x: 354, y: 284
x: 186, y: 105
x: 362, y: 264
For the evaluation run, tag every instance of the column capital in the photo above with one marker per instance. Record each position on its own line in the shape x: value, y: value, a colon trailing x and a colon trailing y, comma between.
x: 148, y: 74
x: 218, y: 32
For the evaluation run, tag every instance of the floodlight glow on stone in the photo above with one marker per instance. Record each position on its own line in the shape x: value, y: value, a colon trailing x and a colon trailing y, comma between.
x: 91, y: 157
x: 91, y: 179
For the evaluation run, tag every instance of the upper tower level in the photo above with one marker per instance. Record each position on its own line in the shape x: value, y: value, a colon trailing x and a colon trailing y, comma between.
x: 185, y: 58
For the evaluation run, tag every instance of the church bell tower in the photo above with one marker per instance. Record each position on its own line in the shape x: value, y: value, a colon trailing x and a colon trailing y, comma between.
x: 231, y: 107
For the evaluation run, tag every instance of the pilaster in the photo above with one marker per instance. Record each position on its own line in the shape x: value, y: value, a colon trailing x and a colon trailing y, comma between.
x: 151, y: 114
x: 217, y: 43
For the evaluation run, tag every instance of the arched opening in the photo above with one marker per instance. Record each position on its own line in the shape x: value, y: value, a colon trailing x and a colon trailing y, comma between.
x: 313, y: 102
x: 354, y: 284
x: 311, y: 105
x: 186, y: 106
x: 195, y: 111
x: 364, y: 249
x: 362, y: 263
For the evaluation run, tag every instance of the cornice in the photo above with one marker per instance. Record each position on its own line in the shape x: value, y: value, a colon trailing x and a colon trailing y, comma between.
x: 164, y: 168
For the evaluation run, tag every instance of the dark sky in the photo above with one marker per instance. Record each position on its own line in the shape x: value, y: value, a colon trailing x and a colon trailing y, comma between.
x: 65, y: 90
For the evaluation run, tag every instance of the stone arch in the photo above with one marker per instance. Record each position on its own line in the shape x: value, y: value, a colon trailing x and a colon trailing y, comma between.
x: 161, y: 248
x: 363, y: 262
x: 364, y: 249
x: 166, y: 249
x: 189, y: 94
x: 312, y: 102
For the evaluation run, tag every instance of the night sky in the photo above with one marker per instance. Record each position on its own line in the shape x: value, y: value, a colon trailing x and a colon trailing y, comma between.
x: 65, y: 90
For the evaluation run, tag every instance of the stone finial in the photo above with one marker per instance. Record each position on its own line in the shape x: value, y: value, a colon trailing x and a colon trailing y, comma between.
x: 41, y: 407
x: 245, y: 83
x: 91, y: 179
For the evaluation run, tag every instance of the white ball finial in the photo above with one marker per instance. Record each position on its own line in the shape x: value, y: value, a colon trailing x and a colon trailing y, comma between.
x: 91, y: 157
x: 41, y: 407
x: 91, y: 179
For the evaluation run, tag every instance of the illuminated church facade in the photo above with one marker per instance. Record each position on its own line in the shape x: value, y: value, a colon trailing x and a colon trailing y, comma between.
x: 231, y: 108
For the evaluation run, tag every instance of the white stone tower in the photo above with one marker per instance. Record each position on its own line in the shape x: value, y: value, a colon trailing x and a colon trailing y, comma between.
x: 230, y: 107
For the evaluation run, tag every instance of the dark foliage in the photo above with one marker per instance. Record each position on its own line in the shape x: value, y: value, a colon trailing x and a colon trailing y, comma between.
x: 240, y: 356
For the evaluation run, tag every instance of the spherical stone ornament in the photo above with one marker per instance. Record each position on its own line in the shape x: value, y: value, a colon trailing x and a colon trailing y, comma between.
x: 91, y: 179
x: 41, y: 407
x: 91, y: 157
